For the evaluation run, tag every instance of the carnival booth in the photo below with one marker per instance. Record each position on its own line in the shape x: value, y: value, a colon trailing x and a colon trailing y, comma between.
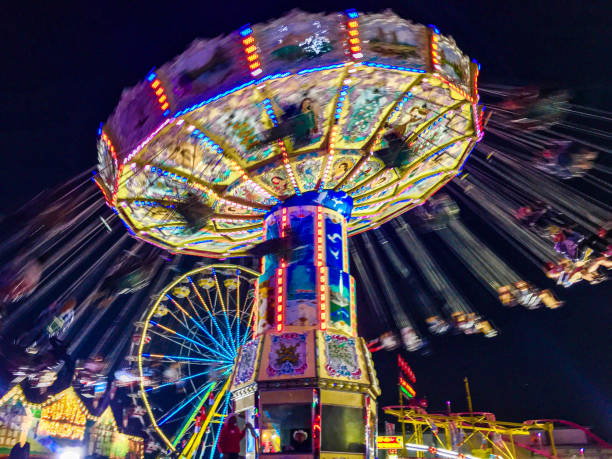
x: 62, y: 421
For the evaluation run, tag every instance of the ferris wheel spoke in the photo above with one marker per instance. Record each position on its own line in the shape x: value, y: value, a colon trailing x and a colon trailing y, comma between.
x: 208, y: 311
x: 178, y: 343
x: 186, y: 338
x: 193, y: 307
x: 223, y: 351
x: 248, y: 328
x: 182, y: 358
x: 197, y: 407
x: 199, y: 325
x: 187, y: 378
x: 175, y: 409
x: 223, y: 413
x: 220, y: 297
x: 182, y: 322
x: 242, y: 324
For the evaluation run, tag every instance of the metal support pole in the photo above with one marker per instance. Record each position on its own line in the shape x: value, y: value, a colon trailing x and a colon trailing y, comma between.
x: 513, y: 446
x: 551, y: 438
x: 467, y: 394
x: 447, y: 435
x: 403, y: 424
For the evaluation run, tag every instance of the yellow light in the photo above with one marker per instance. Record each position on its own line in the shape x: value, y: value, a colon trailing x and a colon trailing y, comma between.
x: 250, y: 49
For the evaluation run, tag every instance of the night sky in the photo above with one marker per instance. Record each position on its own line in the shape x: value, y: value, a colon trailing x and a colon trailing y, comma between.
x: 65, y: 66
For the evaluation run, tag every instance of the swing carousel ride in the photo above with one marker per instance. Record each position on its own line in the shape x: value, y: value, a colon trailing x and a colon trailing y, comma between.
x: 279, y: 142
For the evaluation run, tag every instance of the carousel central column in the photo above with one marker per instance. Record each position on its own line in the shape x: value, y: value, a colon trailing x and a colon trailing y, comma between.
x: 306, y: 380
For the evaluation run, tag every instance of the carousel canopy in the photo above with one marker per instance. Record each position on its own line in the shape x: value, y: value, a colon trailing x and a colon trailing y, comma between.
x: 371, y: 105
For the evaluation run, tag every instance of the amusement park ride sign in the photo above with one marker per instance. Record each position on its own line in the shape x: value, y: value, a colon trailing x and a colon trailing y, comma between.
x: 389, y: 442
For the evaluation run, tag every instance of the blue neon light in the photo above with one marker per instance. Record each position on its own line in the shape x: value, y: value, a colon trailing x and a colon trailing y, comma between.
x: 393, y: 67
x: 317, y: 69
x: 169, y: 415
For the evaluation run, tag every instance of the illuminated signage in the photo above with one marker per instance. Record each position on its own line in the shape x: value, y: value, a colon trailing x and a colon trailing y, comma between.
x: 389, y: 442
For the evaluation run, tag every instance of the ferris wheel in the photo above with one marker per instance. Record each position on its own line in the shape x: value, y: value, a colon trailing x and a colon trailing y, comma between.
x: 188, y: 345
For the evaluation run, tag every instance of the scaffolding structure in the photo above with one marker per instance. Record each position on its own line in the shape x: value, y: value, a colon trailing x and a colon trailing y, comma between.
x: 454, y: 434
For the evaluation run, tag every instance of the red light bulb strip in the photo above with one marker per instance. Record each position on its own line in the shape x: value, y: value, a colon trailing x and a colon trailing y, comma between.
x: 160, y: 93
x: 352, y: 39
x: 250, y: 50
x: 280, y: 279
x: 322, y: 297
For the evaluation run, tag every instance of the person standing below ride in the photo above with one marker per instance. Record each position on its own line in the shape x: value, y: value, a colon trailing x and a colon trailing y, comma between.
x: 21, y: 450
x: 230, y: 437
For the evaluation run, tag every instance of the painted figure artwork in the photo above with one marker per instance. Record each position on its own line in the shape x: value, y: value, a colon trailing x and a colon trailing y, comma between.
x: 214, y: 65
x: 205, y: 67
x: 250, y: 191
x: 454, y: 64
x: 341, y: 357
x: 393, y: 43
x: 248, y: 359
x: 341, y: 168
x: 393, y: 40
x: 189, y: 154
x: 287, y: 354
x: 305, y: 102
x: 301, y: 220
x: 370, y: 168
x: 308, y: 172
x: 339, y: 298
x: 157, y: 215
x: 134, y: 118
x: 278, y: 181
x: 301, y: 307
x: 305, y: 38
x: 299, y: 47
x: 366, y: 104
x: 333, y: 243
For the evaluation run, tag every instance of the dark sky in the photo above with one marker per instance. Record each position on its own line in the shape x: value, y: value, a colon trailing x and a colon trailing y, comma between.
x: 64, y: 68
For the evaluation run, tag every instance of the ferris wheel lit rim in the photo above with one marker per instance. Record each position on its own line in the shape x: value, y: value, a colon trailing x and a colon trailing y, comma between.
x: 143, y: 333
